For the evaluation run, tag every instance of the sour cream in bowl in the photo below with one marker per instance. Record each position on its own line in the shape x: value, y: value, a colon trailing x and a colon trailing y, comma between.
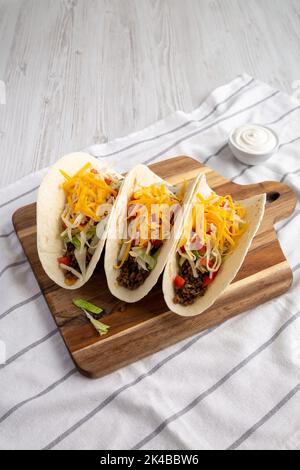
x: 253, y: 144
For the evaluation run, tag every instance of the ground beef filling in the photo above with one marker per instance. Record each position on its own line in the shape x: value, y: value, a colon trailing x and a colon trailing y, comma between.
x: 193, y: 287
x: 70, y: 254
x: 74, y: 263
x: 131, y: 274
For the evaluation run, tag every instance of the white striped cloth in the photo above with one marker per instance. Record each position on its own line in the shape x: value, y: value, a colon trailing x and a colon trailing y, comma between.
x: 235, y: 387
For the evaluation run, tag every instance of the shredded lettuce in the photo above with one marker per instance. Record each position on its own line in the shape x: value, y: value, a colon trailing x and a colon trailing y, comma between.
x: 145, y: 260
x: 80, y: 256
x: 181, y: 260
x: 91, y: 232
x: 84, y: 304
x: 71, y: 270
x: 98, y: 325
x: 88, y: 308
x: 76, y: 242
x: 156, y: 254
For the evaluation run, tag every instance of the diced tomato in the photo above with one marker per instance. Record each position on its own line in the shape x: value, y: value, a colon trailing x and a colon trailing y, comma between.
x: 93, y: 170
x: 182, y: 249
x: 207, y: 280
x: 210, y: 263
x: 107, y: 181
x: 156, y: 243
x: 83, y: 224
x: 202, y: 251
x: 179, y: 282
x: 64, y: 260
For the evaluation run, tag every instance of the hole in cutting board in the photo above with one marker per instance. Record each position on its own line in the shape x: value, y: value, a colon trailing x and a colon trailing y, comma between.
x: 272, y: 196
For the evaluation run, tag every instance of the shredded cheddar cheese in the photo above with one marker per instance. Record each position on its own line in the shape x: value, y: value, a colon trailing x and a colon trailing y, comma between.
x: 154, y: 194
x: 149, y: 217
x: 86, y: 191
x: 147, y: 202
x: 216, y: 217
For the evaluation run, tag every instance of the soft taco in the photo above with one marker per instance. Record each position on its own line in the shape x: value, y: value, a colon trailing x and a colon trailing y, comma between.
x: 216, y: 235
x: 75, y: 202
x: 141, y: 233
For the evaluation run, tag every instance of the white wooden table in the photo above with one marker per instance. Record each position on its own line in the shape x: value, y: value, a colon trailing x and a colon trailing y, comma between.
x: 83, y: 71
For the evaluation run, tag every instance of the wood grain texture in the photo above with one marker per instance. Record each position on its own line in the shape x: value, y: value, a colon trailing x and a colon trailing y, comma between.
x: 79, y: 72
x: 139, y: 329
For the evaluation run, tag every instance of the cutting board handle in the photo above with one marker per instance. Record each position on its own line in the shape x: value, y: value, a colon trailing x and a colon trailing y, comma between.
x: 281, y: 199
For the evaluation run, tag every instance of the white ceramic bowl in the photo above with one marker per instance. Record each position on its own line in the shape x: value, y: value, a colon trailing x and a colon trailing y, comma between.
x: 252, y: 157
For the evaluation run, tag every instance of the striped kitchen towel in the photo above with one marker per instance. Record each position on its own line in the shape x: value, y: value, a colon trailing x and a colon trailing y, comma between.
x: 233, y: 387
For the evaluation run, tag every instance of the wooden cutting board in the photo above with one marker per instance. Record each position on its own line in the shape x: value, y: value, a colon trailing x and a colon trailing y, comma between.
x: 137, y: 330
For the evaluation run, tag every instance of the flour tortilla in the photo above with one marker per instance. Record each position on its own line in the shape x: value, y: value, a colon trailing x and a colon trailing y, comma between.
x: 138, y: 177
x: 50, y: 204
x: 255, y: 207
